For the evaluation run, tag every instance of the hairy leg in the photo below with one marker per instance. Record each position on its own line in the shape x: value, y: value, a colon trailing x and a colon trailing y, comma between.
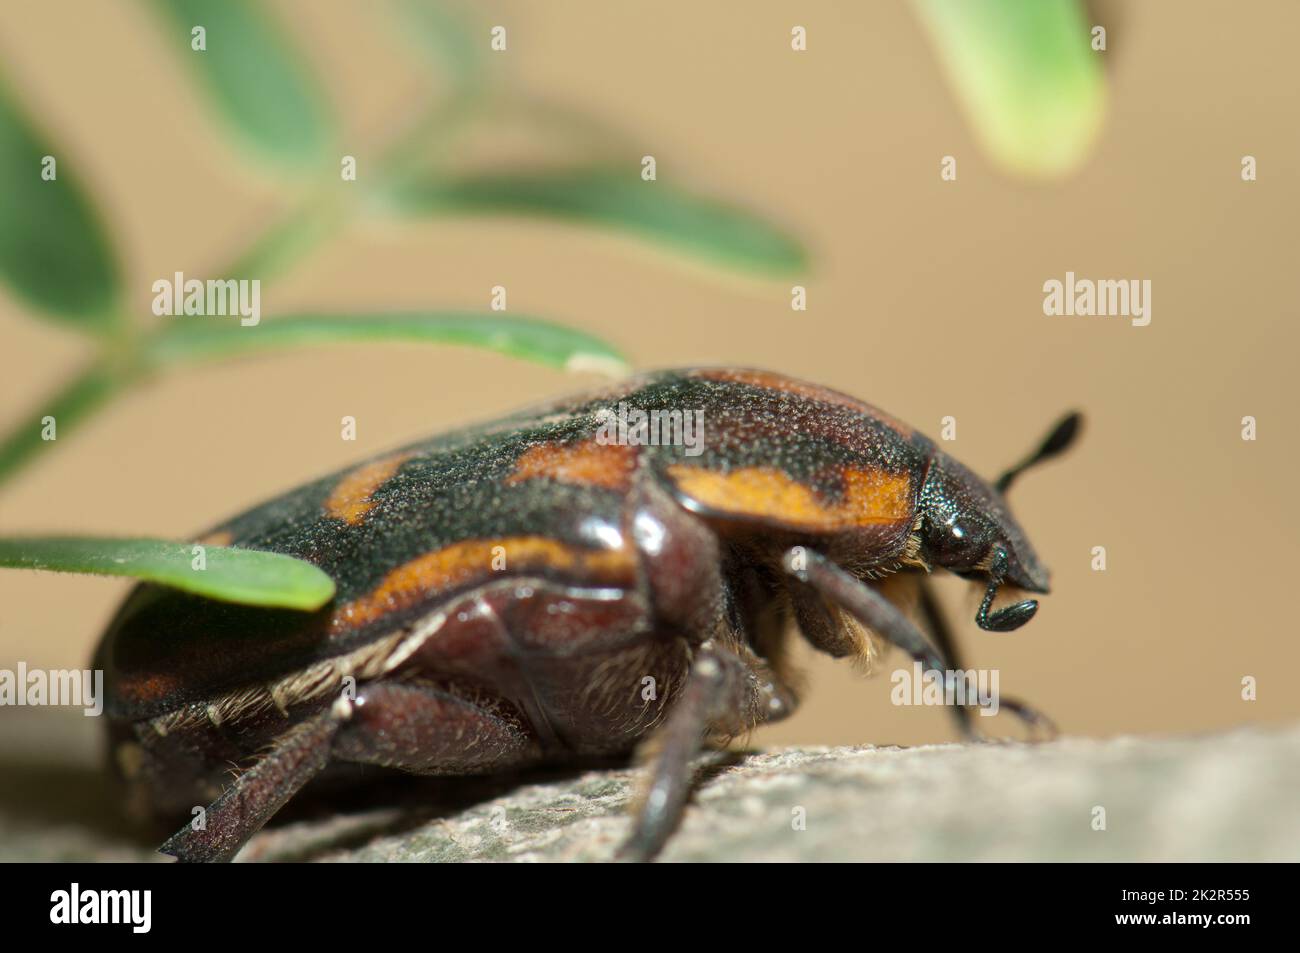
x: 413, y: 726
x: 728, y: 691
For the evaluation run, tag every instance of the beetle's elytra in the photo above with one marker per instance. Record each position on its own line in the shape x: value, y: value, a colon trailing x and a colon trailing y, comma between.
x: 507, y: 592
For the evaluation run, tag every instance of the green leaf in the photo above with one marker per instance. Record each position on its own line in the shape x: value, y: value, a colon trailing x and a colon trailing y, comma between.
x: 194, y: 339
x: 541, y: 341
x: 245, y: 576
x: 617, y: 199
x: 1026, y: 75
x: 444, y: 37
x: 254, y: 75
x: 79, y: 399
x: 53, y: 249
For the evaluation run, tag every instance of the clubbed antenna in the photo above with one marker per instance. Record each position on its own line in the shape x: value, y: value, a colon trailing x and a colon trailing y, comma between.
x: 1058, y: 441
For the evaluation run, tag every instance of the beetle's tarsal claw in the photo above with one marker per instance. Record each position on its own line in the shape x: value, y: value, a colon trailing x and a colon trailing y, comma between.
x: 1039, y: 726
x: 632, y: 853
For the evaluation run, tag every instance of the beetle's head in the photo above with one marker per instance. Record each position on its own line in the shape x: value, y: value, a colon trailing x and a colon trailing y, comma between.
x: 967, y: 528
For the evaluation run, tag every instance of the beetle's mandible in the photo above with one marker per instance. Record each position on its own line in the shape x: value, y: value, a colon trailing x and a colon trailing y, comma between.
x: 507, y: 592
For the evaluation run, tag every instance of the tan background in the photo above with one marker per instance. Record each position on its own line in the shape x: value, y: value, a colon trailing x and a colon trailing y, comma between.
x: 925, y: 299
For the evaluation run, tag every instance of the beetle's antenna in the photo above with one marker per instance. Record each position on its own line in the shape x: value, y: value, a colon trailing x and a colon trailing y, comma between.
x: 1057, y: 442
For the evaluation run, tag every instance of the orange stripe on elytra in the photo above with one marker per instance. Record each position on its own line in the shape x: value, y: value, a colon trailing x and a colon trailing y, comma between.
x: 587, y: 463
x: 462, y: 563
x: 869, y: 497
x: 351, y: 499
x: 143, y: 689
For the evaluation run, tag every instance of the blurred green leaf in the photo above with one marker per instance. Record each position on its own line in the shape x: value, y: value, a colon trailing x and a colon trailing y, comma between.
x: 444, y: 36
x: 1026, y: 75
x: 191, y: 340
x: 245, y: 576
x: 618, y: 199
x: 84, y: 395
x: 53, y: 250
x: 527, y: 338
x: 255, y: 75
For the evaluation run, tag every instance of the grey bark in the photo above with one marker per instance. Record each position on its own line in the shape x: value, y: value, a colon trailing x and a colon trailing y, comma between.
x: 1228, y: 796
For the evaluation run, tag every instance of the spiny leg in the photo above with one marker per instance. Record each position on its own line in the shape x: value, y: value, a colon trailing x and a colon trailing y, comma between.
x: 819, y: 624
x: 881, y: 616
x: 249, y: 802
x: 722, y: 692
x: 424, y: 728
x: 936, y: 622
x: 875, y: 612
x: 412, y: 726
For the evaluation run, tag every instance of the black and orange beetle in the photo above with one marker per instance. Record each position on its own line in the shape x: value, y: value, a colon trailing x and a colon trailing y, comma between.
x: 507, y: 592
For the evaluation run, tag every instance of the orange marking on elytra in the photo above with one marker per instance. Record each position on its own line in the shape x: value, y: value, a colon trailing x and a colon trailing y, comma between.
x: 588, y: 463
x: 869, y: 497
x: 462, y: 563
x: 351, y: 499
x: 149, y: 688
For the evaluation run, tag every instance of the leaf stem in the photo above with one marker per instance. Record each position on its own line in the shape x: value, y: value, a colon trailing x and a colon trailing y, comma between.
x: 78, y: 400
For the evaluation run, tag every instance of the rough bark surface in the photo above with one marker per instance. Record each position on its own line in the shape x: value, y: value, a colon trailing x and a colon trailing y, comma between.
x: 1216, y: 797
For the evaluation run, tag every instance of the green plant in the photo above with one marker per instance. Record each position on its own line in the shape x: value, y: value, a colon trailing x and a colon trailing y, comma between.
x: 1026, y: 76
x: 56, y: 256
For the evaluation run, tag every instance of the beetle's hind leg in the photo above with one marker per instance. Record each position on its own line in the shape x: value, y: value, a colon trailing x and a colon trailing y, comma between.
x: 413, y: 726
x: 249, y: 802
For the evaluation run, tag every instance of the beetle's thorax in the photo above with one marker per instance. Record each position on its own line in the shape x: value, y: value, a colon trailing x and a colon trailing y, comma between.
x: 963, y: 519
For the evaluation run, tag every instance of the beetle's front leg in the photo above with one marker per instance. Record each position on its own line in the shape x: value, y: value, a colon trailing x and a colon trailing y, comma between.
x: 937, y: 622
x: 875, y: 612
x: 723, y: 692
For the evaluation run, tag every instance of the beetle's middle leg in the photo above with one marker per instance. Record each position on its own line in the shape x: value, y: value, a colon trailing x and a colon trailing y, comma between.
x: 729, y: 690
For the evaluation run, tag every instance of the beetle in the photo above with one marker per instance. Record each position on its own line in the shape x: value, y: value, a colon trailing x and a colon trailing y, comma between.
x: 557, y: 586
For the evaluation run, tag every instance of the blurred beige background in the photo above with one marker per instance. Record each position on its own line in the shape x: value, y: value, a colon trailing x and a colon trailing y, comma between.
x: 925, y: 298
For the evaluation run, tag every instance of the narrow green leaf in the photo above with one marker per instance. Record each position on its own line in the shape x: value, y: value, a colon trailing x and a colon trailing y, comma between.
x: 528, y: 338
x: 245, y: 576
x: 80, y: 398
x: 253, y: 73
x: 444, y: 36
x: 617, y: 199
x: 1026, y: 76
x: 53, y: 249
